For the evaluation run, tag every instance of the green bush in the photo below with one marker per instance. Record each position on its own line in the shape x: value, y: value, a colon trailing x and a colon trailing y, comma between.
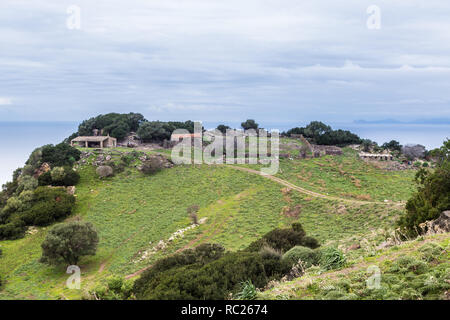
x: 26, y: 183
x: 331, y: 258
x: 284, y: 239
x: 12, y: 230
x: 200, y: 255
x: 60, y: 176
x: 205, y: 273
x: 60, y: 155
x: 213, y: 281
x: 115, y: 288
x: 39, y: 208
x: 431, y: 251
x: 248, y: 291
x: 45, y: 179
x: 67, y: 242
x: 49, y: 205
x: 433, y: 194
x: 307, y: 255
x: 274, y: 266
x: 405, y: 264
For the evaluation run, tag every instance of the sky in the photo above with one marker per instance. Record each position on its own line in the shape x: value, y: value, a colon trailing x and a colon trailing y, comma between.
x: 279, y: 61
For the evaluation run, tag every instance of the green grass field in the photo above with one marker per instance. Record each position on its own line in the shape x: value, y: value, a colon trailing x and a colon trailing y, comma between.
x: 133, y: 212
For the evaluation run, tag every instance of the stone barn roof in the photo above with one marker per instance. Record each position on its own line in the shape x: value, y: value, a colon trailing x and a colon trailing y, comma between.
x: 92, y: 138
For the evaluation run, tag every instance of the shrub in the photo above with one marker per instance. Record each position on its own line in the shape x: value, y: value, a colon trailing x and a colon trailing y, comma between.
x: 64, y: 176
x: 26, y: 183
x: 60, y: 155
x: 127, y: 159
x: 45, y: 179
x: 12, y: 230
x: 68, y: 242
x: 331, y: 258
x: 405, y: 264
x: 274, y: 267
x: 432, y: 197
x: 284, y: 239
x: 192, y: 212
x: 425, y: 164
x: 57, y: 174
x: 307, y: 255
x: 200, y: 255
x: 248, y: 291
x: 213, y: 281
x: 267, y: 252
x: 116, y: 288
x: 49, y: 205
x: 104, y: 171
x: 431, y: 251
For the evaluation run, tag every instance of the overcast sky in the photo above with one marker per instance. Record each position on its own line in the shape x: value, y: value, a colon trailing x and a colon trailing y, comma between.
x: 275, y: 61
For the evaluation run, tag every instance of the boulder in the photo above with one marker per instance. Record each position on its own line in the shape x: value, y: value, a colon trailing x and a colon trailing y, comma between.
x: 45, y: 167
x: 354, y: 246
x: 104, y: 171
x: 439, y: 225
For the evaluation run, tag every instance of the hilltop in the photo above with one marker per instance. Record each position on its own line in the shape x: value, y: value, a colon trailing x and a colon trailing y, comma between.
x: 340, y: 200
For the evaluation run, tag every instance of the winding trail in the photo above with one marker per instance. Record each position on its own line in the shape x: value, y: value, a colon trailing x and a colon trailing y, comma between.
x: 289, y: 185
x: 309, y: 192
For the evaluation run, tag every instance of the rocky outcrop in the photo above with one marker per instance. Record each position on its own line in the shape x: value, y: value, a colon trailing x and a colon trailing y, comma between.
x: 45, y: 167
x: 439, y: 225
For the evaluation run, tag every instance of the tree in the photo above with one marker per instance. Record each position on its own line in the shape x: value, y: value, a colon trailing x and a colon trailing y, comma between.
x: 223, y: 128
x: 367, y: 145
x: 249, y: 124
x: 315, y: 129
x: 392, y: 145
x: 60, y: 155
x: 68, y: 242
x: 154, y: 131
x: 320, y: 133
x: 413, y: 151
x: 115, y: 124
x: 433, y: 194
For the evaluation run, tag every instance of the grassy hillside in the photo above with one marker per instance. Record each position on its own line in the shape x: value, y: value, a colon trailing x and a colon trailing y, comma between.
x: 418, y: 269
x: 133, y: 213
x: 347, y: 176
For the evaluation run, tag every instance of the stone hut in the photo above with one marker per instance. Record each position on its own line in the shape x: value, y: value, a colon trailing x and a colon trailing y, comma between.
x: 94, y: 142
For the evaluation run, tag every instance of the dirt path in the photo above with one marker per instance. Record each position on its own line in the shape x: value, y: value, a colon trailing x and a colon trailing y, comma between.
x: 309, y: 192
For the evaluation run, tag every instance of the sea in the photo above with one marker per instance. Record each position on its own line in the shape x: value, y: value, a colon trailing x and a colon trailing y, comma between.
x: 19, y: 139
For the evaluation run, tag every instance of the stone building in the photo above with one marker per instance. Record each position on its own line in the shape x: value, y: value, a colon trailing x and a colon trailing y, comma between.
x: 94, y: 142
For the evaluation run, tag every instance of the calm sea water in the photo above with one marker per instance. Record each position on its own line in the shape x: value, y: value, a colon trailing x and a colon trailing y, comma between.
x: 19, y: 139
